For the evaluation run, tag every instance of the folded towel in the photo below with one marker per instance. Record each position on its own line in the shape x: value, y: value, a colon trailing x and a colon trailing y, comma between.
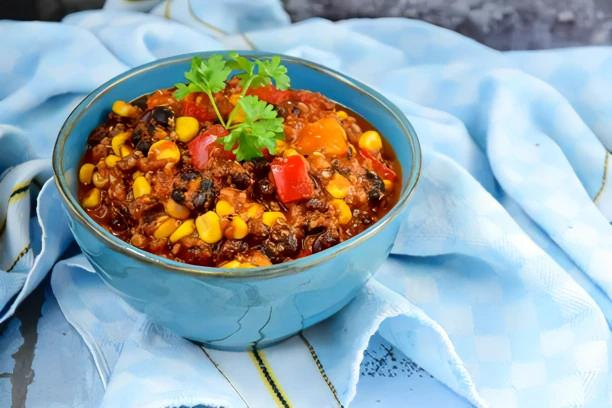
x: 499, y: 283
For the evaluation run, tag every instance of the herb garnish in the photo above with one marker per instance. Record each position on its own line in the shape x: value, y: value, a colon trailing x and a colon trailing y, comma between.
x: 261, y: 126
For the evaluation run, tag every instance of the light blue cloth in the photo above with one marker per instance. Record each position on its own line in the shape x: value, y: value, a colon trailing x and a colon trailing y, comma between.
x: 500, y: 280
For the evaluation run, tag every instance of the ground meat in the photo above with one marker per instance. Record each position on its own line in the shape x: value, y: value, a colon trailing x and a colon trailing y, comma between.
x: 195, y: 251
x: 99, y: 151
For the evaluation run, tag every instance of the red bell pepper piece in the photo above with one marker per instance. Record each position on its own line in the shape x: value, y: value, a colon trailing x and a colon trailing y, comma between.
x: 205, y: 145
x: 270, y: 94
x: 197, y: 105
x: 379, y: 167
x: 291, y: 178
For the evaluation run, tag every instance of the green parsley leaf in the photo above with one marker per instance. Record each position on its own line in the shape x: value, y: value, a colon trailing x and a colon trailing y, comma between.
x: 257, y: 73
x: 206, y: 76
x: 272, y: 69
x: 260, y: 129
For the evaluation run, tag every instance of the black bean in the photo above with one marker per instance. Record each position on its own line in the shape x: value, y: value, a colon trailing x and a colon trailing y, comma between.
x: 189, y: 175
x: 264, y: 188
x: 141, y: 101
x: 205, y: 198
x: 327, y: 239
x: 143, y: 145
x: 118, y: 224
x: 260, y: 167
x: 178, y: 195
x: 136, y: 135
x: 377, y: 188
x: 281, y: 244
x: 241, y: 181
x: 206, y: 184
x: 162, y: 115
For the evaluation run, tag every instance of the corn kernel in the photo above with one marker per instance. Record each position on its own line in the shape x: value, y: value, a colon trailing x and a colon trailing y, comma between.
x: 86, y: 173
x: 185, y: 229
x: 238, y: 228
x: 224, y: 208
x: 187, y: 127
x: 342, y: 210
x: 137, y: 174
x: 237, y: 264
x: 341, y: 115
x: 270, y: 217
x: 290, y: 152
x: 165, y: 150
x: 370, y: 140
x: 388, y: 185
x: 119, y: 140
x: 122, y: 108
x: 166, y: 228
x: 176, y: 210
x: 111, y: 160
x: 238, y: 113
x: 338, y: 186
x: 126, y: 151
x: 246, y: 265
x: 254, y: 210
x: 92, y: 199
x: 281, y: 146
x: 234, y: 98
x: 141, y: 187
x: 99, y: 181
x: 209, y: 227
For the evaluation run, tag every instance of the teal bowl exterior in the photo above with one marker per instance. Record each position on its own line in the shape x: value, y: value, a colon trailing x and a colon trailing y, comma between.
x: 229, y: 308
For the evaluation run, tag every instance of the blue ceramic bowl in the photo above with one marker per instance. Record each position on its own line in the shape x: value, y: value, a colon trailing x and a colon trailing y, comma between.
x: 235, y: 308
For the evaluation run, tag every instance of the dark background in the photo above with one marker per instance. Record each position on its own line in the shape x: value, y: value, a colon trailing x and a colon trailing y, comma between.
x: 502, y: 24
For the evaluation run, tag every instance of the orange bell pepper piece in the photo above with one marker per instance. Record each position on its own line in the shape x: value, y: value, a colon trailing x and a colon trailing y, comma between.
x: 326, y: 136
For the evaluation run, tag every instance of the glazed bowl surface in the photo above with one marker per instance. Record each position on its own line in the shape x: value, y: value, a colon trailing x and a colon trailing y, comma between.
x: 235, y: 308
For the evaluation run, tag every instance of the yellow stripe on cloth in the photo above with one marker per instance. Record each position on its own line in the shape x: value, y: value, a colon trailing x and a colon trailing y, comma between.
x: 19, y: 191
x: 315, y: 358
x: 269, y: 379
x: 202, y: 21
x: 21, y: 254
x: 603, y: 197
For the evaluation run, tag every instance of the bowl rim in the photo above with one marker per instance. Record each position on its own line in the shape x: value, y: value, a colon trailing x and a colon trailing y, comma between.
x: 281, y: 269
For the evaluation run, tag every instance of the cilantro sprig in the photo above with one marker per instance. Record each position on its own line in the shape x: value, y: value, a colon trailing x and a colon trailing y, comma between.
x: 261, y: 126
